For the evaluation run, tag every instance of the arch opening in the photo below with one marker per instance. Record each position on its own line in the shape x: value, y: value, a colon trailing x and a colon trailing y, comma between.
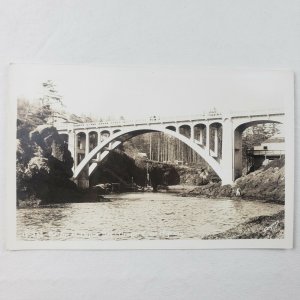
x: 93, y: 140
x: 80, y: 147
x: 173, y: 128
x: 249, y: 137
x: 105, y: 134
x: 215, y: 132
x: 185, y: 130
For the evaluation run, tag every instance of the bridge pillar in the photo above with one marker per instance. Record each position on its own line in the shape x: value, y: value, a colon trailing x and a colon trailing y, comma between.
x: 207, y: 145
x: 238, y: 154
x: 216, y: 144
x: 192, y: 132
x: 82, y: 181
x: 227, y: 162
x: 72, y: 145
x: 87, y: 143
x: 201, y: 135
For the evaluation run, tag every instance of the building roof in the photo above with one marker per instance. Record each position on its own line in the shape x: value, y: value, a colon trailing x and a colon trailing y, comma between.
x: 277, y: 138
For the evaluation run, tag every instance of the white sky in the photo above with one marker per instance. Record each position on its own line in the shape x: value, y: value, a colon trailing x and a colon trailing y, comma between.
x: 140, y: 91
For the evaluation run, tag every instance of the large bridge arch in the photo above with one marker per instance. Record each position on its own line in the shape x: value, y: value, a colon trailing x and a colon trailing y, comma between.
x: 125, y: 134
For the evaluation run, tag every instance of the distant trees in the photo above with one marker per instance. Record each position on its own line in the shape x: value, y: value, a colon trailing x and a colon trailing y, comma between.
x: 163, y: 148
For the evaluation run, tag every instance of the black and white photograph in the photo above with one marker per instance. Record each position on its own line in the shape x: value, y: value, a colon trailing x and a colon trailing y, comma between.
x: 150, y: 150
x: 150, y: 157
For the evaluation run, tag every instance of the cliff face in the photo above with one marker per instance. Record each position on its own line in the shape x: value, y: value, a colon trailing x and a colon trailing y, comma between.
x: 119, y: 167
x: 196, y: 175
x: 44, y: 166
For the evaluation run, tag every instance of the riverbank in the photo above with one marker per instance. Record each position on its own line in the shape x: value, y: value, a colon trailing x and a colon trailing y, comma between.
x: 214, y: 191
x: 262, y: 227
x: 87, y: 196
x: 266, y: 184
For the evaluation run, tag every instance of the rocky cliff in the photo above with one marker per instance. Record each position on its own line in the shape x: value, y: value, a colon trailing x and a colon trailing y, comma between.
x: 44, y: 166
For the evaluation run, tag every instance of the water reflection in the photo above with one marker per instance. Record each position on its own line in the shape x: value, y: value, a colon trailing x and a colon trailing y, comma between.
x: 138, y: 216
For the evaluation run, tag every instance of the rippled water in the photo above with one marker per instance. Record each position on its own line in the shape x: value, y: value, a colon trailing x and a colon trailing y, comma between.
x: 134, y: 216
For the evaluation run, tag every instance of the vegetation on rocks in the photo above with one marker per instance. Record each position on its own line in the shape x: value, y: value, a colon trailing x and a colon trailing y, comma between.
x: 44, y: 164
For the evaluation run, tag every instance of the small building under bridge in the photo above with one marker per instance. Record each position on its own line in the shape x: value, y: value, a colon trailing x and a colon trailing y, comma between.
x: 270, y: 149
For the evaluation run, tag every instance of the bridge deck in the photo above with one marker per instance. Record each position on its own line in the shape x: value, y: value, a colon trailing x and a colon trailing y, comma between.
x: 168, y: 120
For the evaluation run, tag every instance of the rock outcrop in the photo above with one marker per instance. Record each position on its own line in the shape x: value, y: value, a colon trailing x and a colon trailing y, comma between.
x: 45, y: 167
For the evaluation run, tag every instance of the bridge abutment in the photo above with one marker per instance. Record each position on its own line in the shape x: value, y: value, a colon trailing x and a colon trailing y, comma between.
x: 227, y: 153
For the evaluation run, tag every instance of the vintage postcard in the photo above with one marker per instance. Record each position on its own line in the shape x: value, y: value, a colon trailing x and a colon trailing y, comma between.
x: 149, y: 157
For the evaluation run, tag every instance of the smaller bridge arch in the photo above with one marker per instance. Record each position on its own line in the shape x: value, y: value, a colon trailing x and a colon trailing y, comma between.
x: 200, y: 133
x: 92, y: 139
x: 239, y: 128
x: 215, y: 132
x: 170, y: 127
x: 185, y: 130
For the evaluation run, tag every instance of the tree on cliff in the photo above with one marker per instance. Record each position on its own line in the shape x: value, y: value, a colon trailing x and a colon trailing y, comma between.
x: 51, y: 96
x: 44, y: 164
x: 51, y: 99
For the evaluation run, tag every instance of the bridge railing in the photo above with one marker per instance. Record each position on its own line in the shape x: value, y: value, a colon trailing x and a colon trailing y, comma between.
x: 146, y: 121
x: 239, y: 113
x: 159, y: 120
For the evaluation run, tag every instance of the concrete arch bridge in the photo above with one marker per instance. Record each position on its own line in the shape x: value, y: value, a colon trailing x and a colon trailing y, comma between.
x: 89, y: 143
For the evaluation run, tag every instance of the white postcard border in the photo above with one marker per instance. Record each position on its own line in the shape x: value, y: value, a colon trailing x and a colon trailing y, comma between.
x: 13, y: 244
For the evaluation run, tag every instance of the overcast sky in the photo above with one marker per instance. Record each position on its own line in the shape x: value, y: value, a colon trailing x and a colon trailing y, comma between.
x: 140, y: 91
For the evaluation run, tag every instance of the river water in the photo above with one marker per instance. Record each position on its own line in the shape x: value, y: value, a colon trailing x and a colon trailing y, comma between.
x: 133, y: 216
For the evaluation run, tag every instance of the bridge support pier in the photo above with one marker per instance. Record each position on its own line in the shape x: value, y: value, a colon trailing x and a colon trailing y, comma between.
x: 238, y: 154
x: 192, y: 133
x: 216, y: 144
x: 201, y: 136
x: 207, y: 142
x: 227, y: 162
x: 82, y: 181
x: 87, y: 143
